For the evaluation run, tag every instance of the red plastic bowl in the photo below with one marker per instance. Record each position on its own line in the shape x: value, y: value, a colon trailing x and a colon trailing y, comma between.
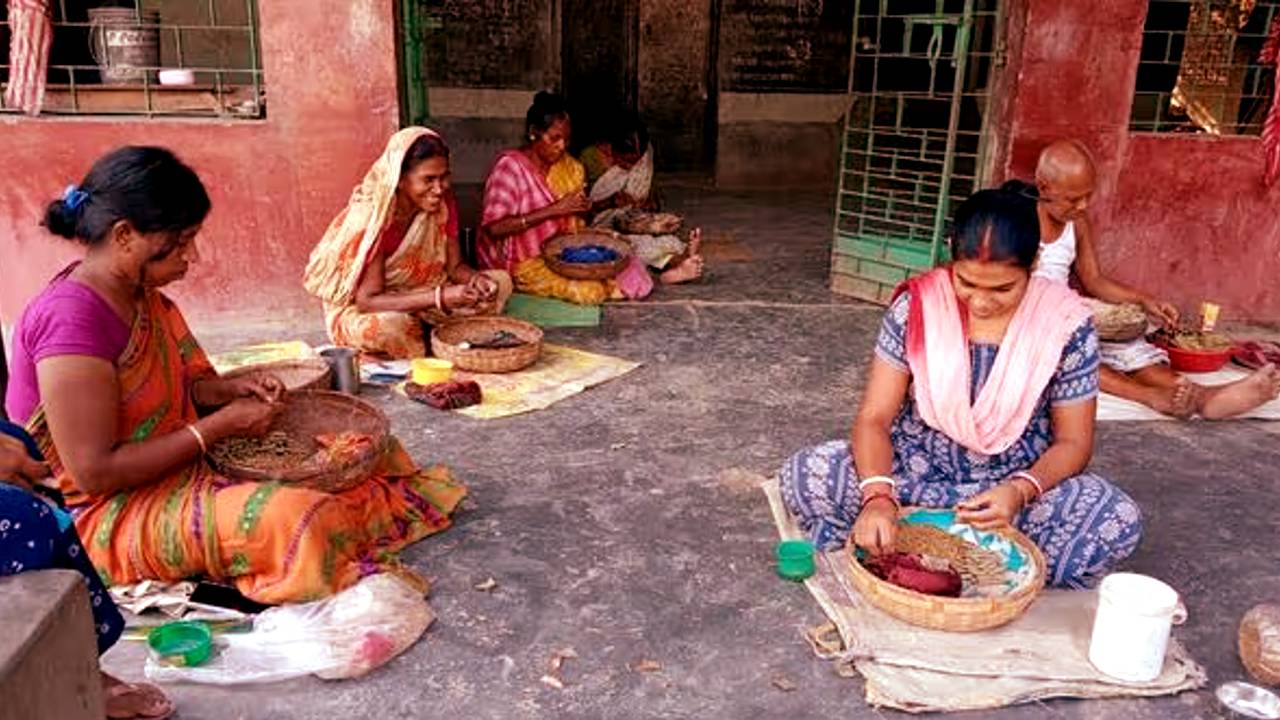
x: 1198, y: 361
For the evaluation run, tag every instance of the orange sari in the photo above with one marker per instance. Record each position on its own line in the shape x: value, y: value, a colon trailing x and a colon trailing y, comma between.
x: 277, y: 543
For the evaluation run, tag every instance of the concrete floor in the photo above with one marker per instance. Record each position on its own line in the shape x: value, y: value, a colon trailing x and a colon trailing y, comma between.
x: 621, y: 522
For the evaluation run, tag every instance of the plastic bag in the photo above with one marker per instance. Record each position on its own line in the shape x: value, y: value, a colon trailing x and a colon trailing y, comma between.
x: 344, y: 636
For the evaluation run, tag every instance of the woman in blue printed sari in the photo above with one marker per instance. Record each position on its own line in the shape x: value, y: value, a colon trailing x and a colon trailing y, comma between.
x: 981, y: 397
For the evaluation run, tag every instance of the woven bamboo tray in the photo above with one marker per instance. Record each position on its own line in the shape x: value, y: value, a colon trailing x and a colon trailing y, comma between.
x: 309, y: 413
x: 968, y: 614
x: 639, y: 222
x: 1117, y: 323
x: 447, y: 341
x: 303, y: 374
x: 586, y: 271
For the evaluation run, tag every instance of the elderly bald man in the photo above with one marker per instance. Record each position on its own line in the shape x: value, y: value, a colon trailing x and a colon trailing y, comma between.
x: 1066, y: 179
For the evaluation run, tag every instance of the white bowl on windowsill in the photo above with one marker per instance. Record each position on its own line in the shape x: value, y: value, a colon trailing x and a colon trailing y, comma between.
x: 177, y: 77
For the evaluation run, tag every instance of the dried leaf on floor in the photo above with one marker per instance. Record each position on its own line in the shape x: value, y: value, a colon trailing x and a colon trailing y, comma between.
x: 557, y: 659
x: 486, y: 586
x: 784, y: 683
x: 647, y: 666
x: 552, y: 681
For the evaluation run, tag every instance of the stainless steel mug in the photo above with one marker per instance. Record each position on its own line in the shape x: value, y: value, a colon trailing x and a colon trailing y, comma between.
x: 344, y: 362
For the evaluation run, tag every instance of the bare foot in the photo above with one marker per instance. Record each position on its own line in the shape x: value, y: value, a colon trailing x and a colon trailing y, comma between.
x: 1179, y: 401
x: 1239, y: 397
x: 129, y: 701
x: 695, y: 242
x: 688, y: 270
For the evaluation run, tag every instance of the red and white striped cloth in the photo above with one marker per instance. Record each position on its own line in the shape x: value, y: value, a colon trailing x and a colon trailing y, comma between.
x: 31, y: 34
x: 1270, y: 55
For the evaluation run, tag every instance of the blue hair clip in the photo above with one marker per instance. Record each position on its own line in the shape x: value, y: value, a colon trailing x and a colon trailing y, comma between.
x: 73, y: 197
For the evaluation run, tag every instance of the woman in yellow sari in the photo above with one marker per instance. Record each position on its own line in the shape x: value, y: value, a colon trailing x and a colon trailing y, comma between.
x: 534, y: 193
x: 390, y: 261
x: 124, y: 405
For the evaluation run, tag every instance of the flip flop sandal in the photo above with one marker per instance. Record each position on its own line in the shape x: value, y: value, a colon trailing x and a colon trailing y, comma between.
x: 150, y: 694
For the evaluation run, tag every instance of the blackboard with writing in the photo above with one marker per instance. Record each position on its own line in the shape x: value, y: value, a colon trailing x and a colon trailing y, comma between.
x: 489, y: 43
x: 785, y: 45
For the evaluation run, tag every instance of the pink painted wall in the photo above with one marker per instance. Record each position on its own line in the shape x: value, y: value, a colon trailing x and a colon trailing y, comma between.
x: 1184, y: 217
x: 330, y: 72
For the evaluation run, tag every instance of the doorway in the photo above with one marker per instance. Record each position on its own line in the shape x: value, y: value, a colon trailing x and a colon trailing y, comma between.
x: 599, y: 61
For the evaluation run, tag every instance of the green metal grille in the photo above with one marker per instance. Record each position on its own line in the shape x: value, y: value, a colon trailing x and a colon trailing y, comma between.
x: 914, y: 135
x: 413, y: 22
x: 1199, y: 70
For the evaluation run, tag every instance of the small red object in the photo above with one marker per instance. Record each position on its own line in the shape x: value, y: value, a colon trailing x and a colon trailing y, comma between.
x: 909, y: 571
x: 446, y: 395
x: 1255, y: 354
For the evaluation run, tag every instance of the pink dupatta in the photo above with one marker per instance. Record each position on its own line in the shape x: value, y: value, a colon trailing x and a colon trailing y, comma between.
x: 1028, y: 358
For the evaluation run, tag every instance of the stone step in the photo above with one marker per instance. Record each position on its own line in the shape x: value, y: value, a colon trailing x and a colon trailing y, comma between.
x: 48, y: 650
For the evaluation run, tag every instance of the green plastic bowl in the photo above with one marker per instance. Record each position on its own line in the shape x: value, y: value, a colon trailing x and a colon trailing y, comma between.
x: 795, y: 559
x: 182, y: 643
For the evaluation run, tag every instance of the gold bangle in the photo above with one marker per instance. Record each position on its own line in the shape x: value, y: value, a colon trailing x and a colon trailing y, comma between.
x: 195, y: 432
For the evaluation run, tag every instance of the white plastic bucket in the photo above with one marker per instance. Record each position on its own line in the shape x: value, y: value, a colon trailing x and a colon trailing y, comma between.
x: 1131, y: 627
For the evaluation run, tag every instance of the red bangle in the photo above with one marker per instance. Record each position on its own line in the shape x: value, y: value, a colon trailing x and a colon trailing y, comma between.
x: 867, y: 500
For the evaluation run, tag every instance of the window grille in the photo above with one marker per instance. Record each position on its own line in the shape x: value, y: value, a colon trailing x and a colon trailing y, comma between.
x: 1199, y: 69
x: 107, y: 59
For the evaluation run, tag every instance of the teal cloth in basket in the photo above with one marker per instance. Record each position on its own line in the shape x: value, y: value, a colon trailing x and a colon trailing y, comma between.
x: 945, y: 520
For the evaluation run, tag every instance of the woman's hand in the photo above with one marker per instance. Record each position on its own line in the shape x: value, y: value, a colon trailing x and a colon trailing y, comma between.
x: 214, y: 392
x: 992, y: 509
x: 1163, y: 312
x: 485, y: 286
x: 460, y: 296
x: 17, y: 467
x: 876, y: 528
x: 246, y: 417
x: 267, y: 388
x: 571, y: 204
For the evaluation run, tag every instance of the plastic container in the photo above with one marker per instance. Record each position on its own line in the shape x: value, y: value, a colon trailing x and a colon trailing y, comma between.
x: 1131, y: 628
x: 1198, y: 361
x: 177, y: 77
x: 429, y: 371
x: 795, y: 559
x: 186, y: 644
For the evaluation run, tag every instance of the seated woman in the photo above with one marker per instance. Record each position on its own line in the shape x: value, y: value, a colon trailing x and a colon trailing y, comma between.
x: 981, y: 397
x: 620, y: 175
x: 535, y: 193
x: 390, y: 261
x: 35, y: 534
x: 619, y: 169
x: 124, y: 404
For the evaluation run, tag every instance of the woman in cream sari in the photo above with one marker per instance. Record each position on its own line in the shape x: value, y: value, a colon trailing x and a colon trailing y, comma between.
x: 620, y: 174
x: 390, y: 261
